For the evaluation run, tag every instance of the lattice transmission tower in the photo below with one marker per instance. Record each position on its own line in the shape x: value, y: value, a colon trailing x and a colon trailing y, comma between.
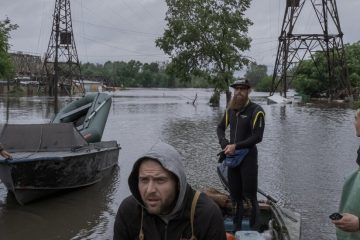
x: 61, y: 63
x: 295, y: 46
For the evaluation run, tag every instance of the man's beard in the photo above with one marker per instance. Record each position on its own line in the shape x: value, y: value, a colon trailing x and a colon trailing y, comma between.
x: 237, y: 102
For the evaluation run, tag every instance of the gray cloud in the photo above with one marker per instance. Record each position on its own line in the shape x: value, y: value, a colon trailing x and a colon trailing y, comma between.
x: 126, y: 29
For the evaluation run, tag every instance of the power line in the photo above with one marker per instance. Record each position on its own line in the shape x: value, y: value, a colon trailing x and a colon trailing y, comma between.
x: 116, y: 28
x: 106, y: 19
x: 83, y: 28
x: 113, y: 46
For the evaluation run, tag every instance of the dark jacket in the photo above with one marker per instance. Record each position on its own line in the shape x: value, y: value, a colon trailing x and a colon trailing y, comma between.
x: 246, y: 126
x: 208, y: 222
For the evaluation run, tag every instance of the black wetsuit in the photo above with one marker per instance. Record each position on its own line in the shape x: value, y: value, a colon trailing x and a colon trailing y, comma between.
x: 246, y: 130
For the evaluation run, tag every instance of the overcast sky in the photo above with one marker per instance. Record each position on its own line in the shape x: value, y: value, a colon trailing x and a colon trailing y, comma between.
x: 121, y: 30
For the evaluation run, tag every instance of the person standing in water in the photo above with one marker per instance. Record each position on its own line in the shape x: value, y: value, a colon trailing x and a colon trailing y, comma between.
x: 247, y: 124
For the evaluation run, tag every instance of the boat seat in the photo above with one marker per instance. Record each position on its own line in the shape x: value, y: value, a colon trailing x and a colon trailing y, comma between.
x: 263, y: 206
x: 79, y: 123
x: 225, y: 203
x: 76, y: 111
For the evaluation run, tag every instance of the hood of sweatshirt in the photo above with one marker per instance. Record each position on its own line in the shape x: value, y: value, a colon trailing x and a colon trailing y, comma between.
x: 171, y: 160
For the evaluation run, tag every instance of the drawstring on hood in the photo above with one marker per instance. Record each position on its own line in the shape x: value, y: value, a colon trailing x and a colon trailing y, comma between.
x: 171, y: 160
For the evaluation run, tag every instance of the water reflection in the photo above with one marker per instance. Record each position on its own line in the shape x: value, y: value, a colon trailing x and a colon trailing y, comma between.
x: 75, y: 215
x: 283, y: 112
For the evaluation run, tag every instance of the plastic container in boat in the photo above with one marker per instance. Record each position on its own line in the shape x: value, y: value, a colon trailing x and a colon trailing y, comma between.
x: 248, y: 235
x: 229, y: 225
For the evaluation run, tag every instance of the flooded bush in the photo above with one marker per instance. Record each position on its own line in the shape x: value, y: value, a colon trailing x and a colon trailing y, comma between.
x: 215, y: 99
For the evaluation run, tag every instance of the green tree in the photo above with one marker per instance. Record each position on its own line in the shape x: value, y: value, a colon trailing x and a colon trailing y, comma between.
x: 137, y: 74
x: 6, y: 65
x: 307, y: 85
x: 152, y: 67
x: 264, y: 85
x: 107, y: 73
x: 145, y: 79
x: 255, y: 73
x: 134, y: 67
x: 207, y: 38
x: 312, y: 76
x: 353, y: 63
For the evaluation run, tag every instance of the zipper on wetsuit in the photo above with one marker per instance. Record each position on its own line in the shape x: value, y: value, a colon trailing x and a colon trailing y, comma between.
x: 237, y: 119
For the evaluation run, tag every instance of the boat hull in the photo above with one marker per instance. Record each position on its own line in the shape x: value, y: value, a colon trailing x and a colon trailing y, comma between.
x: 274, y: 222
x: 43, y: 174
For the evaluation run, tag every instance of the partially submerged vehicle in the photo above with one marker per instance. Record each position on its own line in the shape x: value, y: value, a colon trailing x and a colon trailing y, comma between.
x: 65, y: 154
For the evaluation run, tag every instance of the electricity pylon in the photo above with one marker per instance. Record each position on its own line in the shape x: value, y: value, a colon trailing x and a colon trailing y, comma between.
x: 61, y: 63
x: 295, y: 47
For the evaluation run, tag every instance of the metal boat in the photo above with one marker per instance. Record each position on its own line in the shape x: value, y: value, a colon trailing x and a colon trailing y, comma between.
x: 275, y: 222
x: 54, y: 157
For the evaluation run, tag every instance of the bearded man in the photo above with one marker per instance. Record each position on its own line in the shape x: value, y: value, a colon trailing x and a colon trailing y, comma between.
x: 247, y: 123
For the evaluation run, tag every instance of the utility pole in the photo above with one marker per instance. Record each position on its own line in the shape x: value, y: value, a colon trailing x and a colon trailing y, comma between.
x: 61, y: 64
x: 295, y: 47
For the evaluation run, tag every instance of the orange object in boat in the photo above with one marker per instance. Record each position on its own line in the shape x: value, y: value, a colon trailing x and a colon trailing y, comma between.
x: 230, y: 236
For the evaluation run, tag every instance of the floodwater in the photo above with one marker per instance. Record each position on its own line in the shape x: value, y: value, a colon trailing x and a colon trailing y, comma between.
x: 306, y: 153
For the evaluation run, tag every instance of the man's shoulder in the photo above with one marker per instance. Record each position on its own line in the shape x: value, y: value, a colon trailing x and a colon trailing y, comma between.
x: 129, y: 209
x: 256, y: 107
x: 129, y: 203
x: 209, y: 221
x: 207, y: 205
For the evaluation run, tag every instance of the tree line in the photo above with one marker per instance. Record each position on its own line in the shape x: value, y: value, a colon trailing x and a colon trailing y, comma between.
x: 310, y: 80
x: 137, y: 74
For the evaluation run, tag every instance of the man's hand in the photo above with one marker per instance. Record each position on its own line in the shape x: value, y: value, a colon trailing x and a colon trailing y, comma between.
x: 230, y: 149
x: 348, y: 223
x: 5, y: 154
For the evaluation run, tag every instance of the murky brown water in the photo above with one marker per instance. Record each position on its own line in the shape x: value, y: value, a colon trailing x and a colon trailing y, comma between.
x: 305, y: 155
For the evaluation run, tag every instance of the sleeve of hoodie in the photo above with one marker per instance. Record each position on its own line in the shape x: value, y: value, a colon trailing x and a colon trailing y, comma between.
x: 208, y: 222
x: 125, y: 221
x: 257, y: 129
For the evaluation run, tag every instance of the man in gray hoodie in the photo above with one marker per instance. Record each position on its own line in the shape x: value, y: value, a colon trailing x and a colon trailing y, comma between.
x: 161, y: 204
